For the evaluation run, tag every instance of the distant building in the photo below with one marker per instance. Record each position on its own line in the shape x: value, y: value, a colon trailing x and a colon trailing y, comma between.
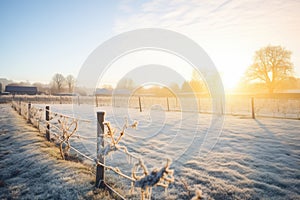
x: 21, y: 89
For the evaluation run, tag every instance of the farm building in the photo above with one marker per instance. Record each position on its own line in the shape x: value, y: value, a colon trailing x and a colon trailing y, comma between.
x: 21, y: 90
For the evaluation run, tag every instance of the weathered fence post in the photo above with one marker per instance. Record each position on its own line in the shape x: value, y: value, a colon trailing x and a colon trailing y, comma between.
x: 252, y: 108
x: 47, y: 121
x: 199, y: 105
x: 96, y: 100
x: 20, y: 107
x: 100, y: 145
x: 60, y: 101
x: 222, y: 106
x: 140, y: 104
x: 28, y: 112
x: 78, y: 100
x: 168, y: 104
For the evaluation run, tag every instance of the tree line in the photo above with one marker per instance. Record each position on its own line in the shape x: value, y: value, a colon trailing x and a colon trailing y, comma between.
x: 271, y: 71
x: 58, y: 84
x: 63, y: 84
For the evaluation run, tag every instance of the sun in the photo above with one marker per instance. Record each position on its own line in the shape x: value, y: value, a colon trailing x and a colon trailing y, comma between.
x: 231, y: 79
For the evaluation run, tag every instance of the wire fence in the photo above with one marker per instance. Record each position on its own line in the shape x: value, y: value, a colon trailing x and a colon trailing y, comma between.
x: 285, y: 107
x: 66, y: 132
x: 61, y: 129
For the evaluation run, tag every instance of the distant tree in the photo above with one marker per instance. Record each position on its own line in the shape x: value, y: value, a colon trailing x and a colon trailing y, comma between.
x: 58, y: 81
x: 107, y: 86
x: 288, y: 84
x: 271, y: 66
x: 70, y: 80
x: 186, y: 87
x: 42, y: 88
x: 125, y: 83
x: 82, y: 91
x: 22, y: 83
x: 196, y: 81
x: 174, y: 87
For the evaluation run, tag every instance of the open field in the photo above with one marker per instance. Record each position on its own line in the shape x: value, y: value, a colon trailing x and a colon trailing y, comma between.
x: 248, y: 159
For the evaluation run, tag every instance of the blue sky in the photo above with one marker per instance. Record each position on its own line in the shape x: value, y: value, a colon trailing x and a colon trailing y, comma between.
x: 40, y: 38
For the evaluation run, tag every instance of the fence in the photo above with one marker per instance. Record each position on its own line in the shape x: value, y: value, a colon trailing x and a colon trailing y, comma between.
x: 60, y: 128
x: 47, y: 99
x: 258, y: 106
x: 288, y: 108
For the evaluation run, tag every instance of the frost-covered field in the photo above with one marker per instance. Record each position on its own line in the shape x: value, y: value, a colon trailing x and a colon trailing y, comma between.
x: 31, y: 167
x: 248, y: 159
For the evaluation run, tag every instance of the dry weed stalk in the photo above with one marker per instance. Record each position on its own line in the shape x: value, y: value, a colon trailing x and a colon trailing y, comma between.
x: 162, y: 178
x: 186, y: 186
x: 35, y: 116
x: 198, y: 195
x: 158, y: 177
x: 68, y: 129
x: 114, y: 143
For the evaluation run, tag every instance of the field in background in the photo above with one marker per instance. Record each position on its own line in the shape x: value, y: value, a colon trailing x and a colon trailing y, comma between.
x: 279, y: 106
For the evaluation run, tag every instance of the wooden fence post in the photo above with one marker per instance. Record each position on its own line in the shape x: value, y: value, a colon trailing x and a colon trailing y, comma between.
x: 168, y: 104
x: 47, y: 121
x: 78, y: 100
x: 96, y: 100
x: 60, y: 101
x: 252, y: 108
x: 28, y: 112
x: 20, y: 107
x: 199, y: 105
x: 222, y: 107
x: 140, y: 104
x: 100, y: 145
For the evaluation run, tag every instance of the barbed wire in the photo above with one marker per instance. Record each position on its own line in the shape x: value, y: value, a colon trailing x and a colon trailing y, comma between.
x: 67, y: 116
x: 67, y: 127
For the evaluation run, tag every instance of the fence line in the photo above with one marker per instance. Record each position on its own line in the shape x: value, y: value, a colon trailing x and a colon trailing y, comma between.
x: 280, y: 106
x: 68, y: 128
x: 18, y: 106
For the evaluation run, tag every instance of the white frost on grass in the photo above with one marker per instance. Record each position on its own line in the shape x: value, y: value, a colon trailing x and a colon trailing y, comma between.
x: 253, y: 159
x: 31, y: 167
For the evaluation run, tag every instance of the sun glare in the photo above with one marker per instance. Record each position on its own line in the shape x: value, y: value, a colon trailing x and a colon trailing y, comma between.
x: 230, y: 83
x: 232, y: 78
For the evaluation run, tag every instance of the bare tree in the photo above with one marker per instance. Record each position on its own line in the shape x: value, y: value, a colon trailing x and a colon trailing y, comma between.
x: 58, y: 80
x: 71, y: 82
x: 271, y: 66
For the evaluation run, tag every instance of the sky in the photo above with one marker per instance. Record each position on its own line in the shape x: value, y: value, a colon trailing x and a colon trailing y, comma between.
x: 41, y: 38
